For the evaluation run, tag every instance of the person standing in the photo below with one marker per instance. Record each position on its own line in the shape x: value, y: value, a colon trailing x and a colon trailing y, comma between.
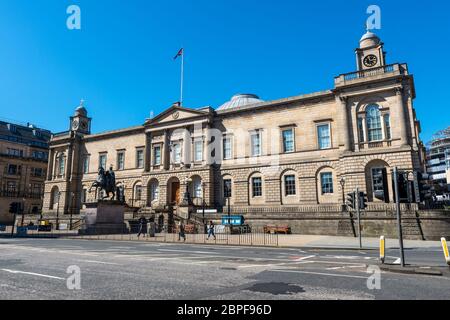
x: 211, y: 230
x: 142, y: 227
x: 182, y: 232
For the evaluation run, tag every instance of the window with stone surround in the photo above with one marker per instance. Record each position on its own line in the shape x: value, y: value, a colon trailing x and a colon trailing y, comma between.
x: 227, y: 148
x: 198, y: 150
x: 86, y: 164
x: 374, y: 126
x: 157, y: 155
x: 255, y: 143
x: 227, y: 188
x: 289, y: 185
x: 324, y: 136
x: 288, y: 140
x: 326, y: 179
x: 120, y: 160
x: 102, y: 160
x: 140, y: 158
x: 257, y: 187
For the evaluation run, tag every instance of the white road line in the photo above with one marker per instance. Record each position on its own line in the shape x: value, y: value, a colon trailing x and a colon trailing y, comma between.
x: 320, y: 274
x: 304, y: 258
x: 187, y: 251
x: 101, y: 262
x: 347, y: 267
x: 32, y: 274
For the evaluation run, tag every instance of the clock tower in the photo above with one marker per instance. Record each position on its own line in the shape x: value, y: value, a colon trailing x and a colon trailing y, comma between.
x: 370, y: 53
x: 80, y: 123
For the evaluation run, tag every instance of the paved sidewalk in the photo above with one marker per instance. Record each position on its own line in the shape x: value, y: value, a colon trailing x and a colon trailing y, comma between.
x: 348, y: 242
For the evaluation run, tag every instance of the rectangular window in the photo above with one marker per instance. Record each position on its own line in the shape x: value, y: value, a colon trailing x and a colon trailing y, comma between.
x: 40, y: 155
x: 227, y: 188
x: 138, y: 193
x: 257, y: 187
x: 288, y: 140
x: 198, y: 151
x: 177, y: 153
x: 37, y: 172
x: 326, y: 179
x: 157, y: 155
x: 139, y: 158
x: 324, y: 135
x: 102, y: 161
x: 13, y: 169
x: 37, y: 190
x: 256, y: 144
x: 121, y: 160
x: 11, y: 186
x: 84, y: 196
x: 227, y: 153
x: 387, y: 125
x: 15, y: 152
x: 289, y: 185
x: 86, y: 165
x: 361, y: 129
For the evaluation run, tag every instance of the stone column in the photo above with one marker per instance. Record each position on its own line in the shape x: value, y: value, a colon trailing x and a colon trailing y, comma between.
x: 50, y: 164
x: 148, y: 151
x: 344, y: 123
x: 401, y: 117
x: 186, y: 148
x: 166, y: 151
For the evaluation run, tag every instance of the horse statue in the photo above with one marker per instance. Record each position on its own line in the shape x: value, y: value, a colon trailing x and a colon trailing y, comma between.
x: 106, y: 181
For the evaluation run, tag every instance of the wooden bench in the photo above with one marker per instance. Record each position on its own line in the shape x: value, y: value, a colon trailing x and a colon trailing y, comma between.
x: 277, y: 229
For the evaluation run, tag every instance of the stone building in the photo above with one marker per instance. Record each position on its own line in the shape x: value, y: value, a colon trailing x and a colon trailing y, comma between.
x: 275, y: 156
x: 23, y: 167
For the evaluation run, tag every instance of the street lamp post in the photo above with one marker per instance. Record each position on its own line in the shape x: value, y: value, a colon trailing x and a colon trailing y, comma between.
x: 71, y: 208
x: 57, y: 211
x: 343, y: 190
x: 203, y: 205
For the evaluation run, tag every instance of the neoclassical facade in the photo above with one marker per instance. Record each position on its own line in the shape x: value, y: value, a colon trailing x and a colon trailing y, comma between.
x: 305, y: 150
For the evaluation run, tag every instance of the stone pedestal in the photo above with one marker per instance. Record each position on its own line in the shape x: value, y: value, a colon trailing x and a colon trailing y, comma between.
x: 104, y: 217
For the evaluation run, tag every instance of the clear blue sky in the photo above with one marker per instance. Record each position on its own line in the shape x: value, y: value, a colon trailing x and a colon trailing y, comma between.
x: 121, y: 62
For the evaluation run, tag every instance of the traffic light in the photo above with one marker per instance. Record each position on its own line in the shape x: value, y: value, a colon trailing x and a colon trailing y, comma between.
x: 424, y: 188
x: 13, y: 207
x: 363, y: 200
x: 351, y: 200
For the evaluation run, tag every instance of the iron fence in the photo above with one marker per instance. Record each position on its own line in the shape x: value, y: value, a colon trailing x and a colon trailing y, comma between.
x: 223, y: 235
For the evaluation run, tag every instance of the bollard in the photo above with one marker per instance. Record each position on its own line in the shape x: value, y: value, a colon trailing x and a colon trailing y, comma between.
x: 382, y: 249
x: 445, y: 248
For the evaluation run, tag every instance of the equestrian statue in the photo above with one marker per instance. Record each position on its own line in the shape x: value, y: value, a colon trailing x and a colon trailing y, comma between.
x: 106, y: 182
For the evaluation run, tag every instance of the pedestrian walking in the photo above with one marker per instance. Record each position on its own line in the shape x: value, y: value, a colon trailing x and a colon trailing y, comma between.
x: 211, y: 230
x: 182, y: 232
x: 142, y: 227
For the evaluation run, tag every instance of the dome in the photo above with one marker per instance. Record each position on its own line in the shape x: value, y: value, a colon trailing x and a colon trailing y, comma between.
x: 81, y: 110
x: 369, y: 39
x: 240, y: 100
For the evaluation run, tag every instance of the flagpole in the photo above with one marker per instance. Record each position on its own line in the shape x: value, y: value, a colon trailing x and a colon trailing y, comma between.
x: 182, y: 77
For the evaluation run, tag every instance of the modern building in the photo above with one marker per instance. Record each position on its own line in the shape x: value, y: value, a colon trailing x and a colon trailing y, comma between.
x: 23, y: 167
x: 271, y: 157
x: 438, y: 161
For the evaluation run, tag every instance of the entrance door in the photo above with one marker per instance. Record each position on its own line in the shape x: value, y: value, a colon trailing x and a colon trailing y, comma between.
x: 175, y: 195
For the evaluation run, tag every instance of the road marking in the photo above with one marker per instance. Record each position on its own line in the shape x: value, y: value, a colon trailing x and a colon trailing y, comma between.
x: 187, y: 251
x: 398, y: 261
x: 304, y: 258
x: 101, y: 262
x: 320, y: 274
x: 32, y: 274
x: 347, y: 267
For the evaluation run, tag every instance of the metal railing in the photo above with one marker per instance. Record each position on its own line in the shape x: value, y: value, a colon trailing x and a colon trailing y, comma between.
x: 223, y: 235
x: 399, y: 69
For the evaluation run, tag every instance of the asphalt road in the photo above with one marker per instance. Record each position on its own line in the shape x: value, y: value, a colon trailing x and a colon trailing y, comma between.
x: 37, y: 269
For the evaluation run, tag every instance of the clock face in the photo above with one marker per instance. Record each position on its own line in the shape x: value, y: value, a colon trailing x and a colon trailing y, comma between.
x: 370, y: 61
x: 75, y: 125
x: 83, y: 125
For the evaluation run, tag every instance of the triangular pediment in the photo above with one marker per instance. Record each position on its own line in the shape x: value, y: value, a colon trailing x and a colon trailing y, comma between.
x: 176, y: 113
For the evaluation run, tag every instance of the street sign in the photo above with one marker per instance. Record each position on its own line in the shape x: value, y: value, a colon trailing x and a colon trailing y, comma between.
x: 209, y: 211
x: 233, y: 220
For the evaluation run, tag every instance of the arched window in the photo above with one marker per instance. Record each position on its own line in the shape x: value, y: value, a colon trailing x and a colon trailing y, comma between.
x: 138, y: 192
x: 154, y: 191
x: 197, y: 189
x: 374, y: 126
x: 54, y: 198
